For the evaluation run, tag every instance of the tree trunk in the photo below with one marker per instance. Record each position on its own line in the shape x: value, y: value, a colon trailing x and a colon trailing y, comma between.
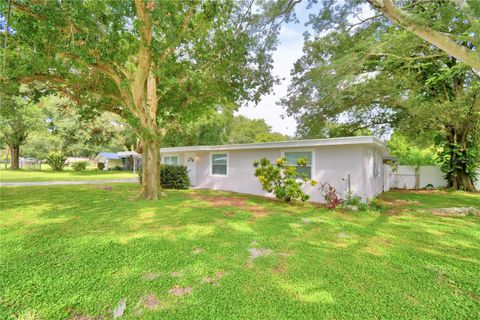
x: 15, y: 155
x: 463, y: 181
x: 458, y: 179
x: 151, y: 188
x: 417, y: 178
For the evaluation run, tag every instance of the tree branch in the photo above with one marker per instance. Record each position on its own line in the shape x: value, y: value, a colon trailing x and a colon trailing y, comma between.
x: 438, y: 39
x: 144, y: 55
x: 180, y: 34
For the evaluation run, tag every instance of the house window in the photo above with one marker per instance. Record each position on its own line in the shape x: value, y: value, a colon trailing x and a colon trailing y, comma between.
x: 172, y: 160
x: 292, y: 158
x: 219, y: 163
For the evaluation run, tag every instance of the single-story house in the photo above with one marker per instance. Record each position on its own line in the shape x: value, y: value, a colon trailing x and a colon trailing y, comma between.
x: 350, y: 163
x: 127, y: 160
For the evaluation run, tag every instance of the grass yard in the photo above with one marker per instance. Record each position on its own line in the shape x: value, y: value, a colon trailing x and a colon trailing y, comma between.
x: 73, y: 252
x: 67, y: 175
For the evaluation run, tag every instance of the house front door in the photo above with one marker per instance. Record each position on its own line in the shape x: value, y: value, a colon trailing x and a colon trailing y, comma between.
x: 191, y: 164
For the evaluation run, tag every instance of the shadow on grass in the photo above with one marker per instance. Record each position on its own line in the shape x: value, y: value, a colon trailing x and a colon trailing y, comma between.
x: 70, y: 251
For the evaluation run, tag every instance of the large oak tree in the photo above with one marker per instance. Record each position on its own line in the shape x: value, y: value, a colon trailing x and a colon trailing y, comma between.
x: 156, y: 63
x: 379, y: 76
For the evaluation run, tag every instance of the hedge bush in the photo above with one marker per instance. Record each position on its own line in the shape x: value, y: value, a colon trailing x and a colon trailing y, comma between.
x: 79, y: 165
x: 172, y: 177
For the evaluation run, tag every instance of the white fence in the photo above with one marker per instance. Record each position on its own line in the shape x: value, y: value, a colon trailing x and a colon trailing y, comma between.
x: 404, y: 177
x: 29, y: 164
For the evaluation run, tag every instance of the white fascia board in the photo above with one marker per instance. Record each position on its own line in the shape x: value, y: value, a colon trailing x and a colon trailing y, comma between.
x: 368, y: 140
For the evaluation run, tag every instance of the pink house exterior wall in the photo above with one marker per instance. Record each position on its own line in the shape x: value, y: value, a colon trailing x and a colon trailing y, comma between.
x: 332, y: 164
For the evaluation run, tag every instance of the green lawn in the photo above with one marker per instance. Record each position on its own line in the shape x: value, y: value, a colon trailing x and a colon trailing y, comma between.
x: 72, y: 252
x: 67, y: 175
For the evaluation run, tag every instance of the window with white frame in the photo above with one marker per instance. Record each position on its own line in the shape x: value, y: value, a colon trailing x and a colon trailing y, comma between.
x: 172, y: 160
x: 219, y: 164
x: 292, y: 160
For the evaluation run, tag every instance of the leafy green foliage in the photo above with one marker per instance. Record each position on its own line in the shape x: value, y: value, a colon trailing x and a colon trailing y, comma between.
x: 172, y: 177
x: 56, y: 160
x: 271, y: 137
x: 100, y: 166
x: 19, y: 117
x: 354, y: 201
x: 457, y: 159
x: 282, y: 179
x: 79, y: 165
x: 159, y: 65
x: 410, y: 154
x: 222, y: 128
x: 374, y: 75
x: 451, y: 25
x: 246, y: 130
x: 60, y: 125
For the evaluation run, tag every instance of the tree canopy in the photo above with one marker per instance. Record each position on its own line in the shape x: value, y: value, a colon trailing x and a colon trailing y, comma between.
x: 222, y: 128
x: 157, y: 64
x: 376, y: 75
x: 430, y: 21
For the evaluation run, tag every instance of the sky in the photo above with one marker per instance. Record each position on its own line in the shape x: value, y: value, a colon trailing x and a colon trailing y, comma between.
x: 288, y: 51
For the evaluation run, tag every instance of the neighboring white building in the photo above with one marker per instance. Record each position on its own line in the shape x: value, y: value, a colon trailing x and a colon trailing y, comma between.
x: 338, y: 161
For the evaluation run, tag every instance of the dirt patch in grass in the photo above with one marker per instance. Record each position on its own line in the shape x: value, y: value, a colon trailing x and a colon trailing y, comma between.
x: 256, y: 253
x: 259, y: 252
x: 397, y: 206
x: 214, y: 279
x: 281, y: 268
x: 104, y: 187
x: 150, y: 276
x: 228, y: 213
x: 402, y: 202
x: 424, y: 191
x: 456, y: 212
x: 372, y: 250
x: 223, y: 201
x: 258, y: 211
x: 149, y: 301
x: 176, y: 274
x: 197, y: 250
x: 343, y: 235
x: 180, y: 291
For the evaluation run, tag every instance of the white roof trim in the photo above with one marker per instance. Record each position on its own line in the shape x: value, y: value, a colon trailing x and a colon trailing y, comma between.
x: 285, y: 144
x: 123, y: 154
